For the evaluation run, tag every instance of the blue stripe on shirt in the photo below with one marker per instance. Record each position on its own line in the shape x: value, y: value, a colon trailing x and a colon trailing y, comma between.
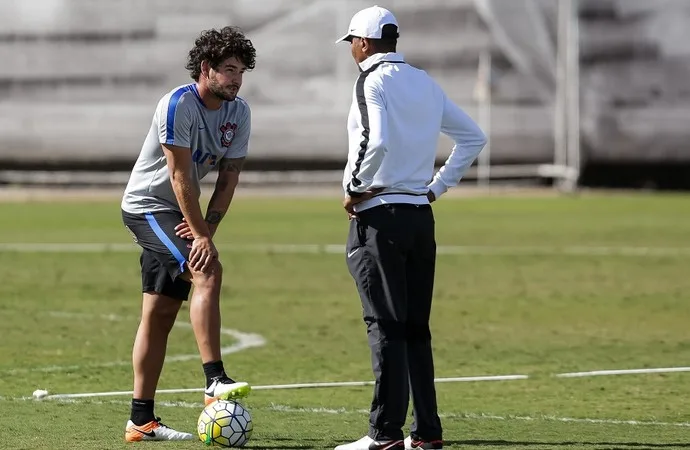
x: 165, y: 240
x: 172, y: 109
x: 196, y: 93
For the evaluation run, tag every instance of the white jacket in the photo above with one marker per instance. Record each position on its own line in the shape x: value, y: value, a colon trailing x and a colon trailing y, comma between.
x: 393, y: 127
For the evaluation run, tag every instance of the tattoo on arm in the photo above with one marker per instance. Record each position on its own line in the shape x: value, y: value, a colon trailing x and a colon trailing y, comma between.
x: 228, y: 176
x: 231, y: 165
x: 214, y: 217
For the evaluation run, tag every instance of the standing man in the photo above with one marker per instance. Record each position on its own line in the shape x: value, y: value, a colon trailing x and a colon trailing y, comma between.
x: 196, y: 127
x: 394, y: 123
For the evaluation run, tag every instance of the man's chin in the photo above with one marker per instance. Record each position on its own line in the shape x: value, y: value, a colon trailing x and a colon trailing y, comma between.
x: 228, y: 97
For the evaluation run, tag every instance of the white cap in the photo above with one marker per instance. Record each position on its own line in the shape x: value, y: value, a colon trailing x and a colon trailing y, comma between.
x: 369, y: 23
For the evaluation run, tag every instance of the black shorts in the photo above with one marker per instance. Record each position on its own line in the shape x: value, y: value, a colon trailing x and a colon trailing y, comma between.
x: 164, y: 254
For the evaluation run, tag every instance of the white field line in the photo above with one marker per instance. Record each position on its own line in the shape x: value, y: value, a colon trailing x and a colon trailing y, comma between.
x: 249, y: 340
x: 258, y: 340
x: 246, y: 340
x: 599, y: 373
x: 243, y: 341
x: 498, y: 250
x: 281, y: 386
x: 370, y: 383
x: 338, y: 411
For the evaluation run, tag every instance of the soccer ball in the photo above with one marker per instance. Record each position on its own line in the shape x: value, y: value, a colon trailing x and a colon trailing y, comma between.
x: 225, y: 423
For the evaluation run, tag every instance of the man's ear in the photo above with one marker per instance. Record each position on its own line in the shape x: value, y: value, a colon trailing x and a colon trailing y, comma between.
x: 366, y: 45
x: 205, y: 68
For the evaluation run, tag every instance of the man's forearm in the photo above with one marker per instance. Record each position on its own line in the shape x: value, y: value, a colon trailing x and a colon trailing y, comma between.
x: 188, y: 199
x: 219, y: 205
x: 228, y: 178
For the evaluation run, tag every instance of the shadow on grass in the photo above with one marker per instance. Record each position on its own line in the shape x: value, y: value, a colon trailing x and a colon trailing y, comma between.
x: 275, y: 443
x: 597, y: 445
x: 313, y: 444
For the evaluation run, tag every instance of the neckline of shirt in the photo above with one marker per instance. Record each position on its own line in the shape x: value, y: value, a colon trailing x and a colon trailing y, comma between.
x: 380, y: 57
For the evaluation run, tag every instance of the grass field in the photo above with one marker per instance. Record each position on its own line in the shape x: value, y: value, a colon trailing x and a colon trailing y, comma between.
x: 532, y: 286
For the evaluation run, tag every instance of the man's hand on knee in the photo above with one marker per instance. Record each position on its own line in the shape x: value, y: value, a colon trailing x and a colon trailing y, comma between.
x: 212, y: 274
x: 203, y: 254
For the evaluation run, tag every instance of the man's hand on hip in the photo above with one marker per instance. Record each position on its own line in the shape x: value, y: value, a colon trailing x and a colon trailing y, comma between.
x: 350, y: 202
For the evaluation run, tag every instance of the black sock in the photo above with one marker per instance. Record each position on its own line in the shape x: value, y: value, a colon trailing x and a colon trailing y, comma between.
x: 142, y: 412
x: 213, y: 370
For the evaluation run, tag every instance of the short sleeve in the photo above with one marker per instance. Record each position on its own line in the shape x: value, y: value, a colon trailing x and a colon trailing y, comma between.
x: 240, y: 144
x: 175, y: 115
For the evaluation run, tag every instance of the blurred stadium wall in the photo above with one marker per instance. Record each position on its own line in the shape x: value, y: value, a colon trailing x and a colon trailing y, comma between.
x: 79, y: 80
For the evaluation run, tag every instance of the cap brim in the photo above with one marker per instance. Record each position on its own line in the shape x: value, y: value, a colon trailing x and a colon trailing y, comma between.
x: 347, y: 37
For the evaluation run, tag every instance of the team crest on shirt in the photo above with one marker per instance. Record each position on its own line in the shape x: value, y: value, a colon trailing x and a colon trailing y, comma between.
x: 227, y: 133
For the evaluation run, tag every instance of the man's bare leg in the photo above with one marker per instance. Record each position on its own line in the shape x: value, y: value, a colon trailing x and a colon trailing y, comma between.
x: 158, y: 313
x: 204, y: 313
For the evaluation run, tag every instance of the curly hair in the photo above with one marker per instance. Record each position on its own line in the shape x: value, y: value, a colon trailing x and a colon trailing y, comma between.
x: 215, y: 46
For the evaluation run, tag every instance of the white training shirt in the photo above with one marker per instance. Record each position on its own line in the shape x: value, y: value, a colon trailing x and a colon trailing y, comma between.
x: 394, y: 123
x: 181, y: 119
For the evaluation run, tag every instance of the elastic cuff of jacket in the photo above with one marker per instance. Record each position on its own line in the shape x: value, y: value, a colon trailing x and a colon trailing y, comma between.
x: 354, y: 194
